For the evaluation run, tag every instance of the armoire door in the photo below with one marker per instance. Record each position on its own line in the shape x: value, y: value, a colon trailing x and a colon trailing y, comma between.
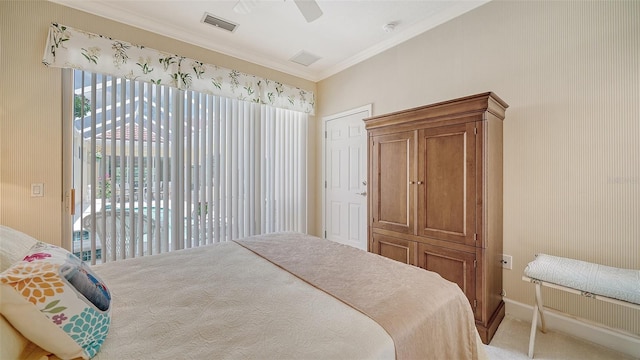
x: 454, y: 265
x: 446, y: 183
x: 392, y: 174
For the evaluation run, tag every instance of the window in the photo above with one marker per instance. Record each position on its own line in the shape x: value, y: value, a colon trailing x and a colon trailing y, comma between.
x: 159, y: 169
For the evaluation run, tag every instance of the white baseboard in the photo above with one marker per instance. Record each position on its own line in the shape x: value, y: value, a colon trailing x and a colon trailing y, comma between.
x: 601, y: 335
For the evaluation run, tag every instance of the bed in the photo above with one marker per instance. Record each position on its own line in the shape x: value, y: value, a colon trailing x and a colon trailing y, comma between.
x: 276, y: 296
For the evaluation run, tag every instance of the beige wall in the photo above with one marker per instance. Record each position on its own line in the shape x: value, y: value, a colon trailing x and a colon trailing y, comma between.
x: 30, y: 108
x: 570, y: 72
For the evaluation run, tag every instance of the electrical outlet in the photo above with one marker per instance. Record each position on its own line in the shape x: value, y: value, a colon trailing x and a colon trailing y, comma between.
x: 507, y: 261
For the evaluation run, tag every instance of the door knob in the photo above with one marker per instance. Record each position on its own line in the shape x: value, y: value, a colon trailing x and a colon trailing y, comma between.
x: 364, y: 193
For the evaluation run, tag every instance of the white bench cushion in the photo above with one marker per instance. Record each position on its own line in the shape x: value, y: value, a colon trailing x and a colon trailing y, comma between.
x: 621, y: 284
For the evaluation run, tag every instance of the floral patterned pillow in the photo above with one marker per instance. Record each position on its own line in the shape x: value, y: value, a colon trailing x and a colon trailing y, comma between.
x: 56, y: 301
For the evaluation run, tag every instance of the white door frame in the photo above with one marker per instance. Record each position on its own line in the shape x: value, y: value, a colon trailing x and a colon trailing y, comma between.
x: 68, y: 198
x: 365, y: 108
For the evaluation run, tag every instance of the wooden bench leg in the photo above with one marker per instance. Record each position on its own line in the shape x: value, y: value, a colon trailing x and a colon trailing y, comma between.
x: 538, y: 310
x: 540, y: 304
x: 532, y: 337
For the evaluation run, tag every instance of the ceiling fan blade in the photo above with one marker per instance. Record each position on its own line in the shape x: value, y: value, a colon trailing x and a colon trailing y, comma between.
x: 245, y: 6
x: 309, y: 9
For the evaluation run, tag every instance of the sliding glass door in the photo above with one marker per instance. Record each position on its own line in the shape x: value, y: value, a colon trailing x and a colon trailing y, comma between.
x: 157, y: 169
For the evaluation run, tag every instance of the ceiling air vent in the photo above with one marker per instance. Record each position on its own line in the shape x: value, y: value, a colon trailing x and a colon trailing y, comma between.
x: 304, y: 58
x: 219, y: 23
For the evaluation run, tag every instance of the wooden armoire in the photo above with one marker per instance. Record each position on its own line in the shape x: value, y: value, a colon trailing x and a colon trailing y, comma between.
x: 435, y: 185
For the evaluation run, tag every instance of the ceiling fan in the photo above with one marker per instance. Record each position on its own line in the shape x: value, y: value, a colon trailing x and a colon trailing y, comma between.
x: 309, y: 8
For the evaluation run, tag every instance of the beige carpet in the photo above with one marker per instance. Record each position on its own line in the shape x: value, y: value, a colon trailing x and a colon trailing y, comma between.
x: 511, y: 342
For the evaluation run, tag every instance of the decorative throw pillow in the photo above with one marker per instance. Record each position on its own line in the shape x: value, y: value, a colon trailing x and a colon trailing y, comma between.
x: 56, y: 301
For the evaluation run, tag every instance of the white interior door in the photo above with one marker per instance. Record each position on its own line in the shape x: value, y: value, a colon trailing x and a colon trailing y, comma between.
x: 345, y: 202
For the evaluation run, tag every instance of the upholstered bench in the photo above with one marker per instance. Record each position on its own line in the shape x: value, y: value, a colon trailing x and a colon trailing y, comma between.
x: 614, y: 285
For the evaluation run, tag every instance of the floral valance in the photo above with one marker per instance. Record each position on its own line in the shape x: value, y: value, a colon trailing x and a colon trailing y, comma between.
x: 72, y: 48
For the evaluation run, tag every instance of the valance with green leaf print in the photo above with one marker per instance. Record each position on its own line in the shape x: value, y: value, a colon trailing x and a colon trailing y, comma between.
x: 72, y: 48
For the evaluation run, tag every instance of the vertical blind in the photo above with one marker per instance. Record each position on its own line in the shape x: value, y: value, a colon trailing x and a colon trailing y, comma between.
x: 160, y: 169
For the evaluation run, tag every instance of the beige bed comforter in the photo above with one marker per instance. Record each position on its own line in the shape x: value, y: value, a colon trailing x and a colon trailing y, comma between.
x: 427, y: 316
x: 225, y: 302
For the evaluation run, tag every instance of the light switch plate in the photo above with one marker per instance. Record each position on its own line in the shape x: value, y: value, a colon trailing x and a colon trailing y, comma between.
x: 37, y: 190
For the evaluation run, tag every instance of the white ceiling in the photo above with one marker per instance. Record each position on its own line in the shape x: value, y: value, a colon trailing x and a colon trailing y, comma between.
x: 347, y: 33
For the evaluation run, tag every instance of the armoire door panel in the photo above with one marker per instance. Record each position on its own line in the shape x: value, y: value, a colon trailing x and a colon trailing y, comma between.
x: 394, y: 248
x: 453, y: 265
x: 392, y: 198
x: 445, y: 186
x: 446, y: 190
